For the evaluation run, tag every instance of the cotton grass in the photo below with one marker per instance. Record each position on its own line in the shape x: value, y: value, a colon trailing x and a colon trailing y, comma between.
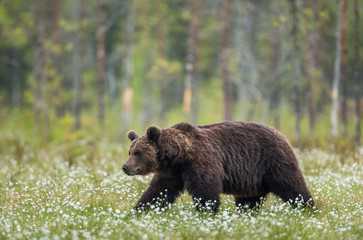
x: 42, y: 196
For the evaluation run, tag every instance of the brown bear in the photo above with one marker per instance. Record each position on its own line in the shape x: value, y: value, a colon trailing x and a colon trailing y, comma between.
x: 245, y: 159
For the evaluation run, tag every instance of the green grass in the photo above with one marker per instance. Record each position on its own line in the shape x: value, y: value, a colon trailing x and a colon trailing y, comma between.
x: 57, y: 192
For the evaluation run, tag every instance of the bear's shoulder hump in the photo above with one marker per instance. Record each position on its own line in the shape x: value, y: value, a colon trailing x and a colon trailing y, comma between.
x: 184, y: 126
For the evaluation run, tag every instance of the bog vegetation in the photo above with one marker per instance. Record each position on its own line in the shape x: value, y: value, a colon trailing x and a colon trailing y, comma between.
x: 76, y: 75
x: 49, y: 193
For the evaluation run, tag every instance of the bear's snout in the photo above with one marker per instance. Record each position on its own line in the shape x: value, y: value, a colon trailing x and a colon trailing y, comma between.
x: 130, y: 171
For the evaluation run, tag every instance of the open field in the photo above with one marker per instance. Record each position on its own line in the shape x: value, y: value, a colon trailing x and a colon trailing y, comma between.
x: 57, y: 193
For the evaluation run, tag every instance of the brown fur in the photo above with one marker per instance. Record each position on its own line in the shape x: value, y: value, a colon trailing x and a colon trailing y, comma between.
x: 247, y: 160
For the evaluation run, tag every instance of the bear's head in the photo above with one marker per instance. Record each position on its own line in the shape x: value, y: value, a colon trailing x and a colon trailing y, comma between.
x: 143, y: 152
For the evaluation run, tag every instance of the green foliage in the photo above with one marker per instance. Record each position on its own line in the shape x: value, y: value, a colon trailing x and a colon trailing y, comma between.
x: 14, y: 29
x: 159, y: 55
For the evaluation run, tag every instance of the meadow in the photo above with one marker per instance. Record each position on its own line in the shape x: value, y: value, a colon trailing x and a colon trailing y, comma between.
x: 79, y: 192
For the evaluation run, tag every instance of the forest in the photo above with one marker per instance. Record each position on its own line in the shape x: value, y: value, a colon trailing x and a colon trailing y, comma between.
x: 75, y: 76
x: 71, y: 68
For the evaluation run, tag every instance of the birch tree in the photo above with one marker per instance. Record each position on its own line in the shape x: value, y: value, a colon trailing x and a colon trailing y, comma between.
x: 129, y: 69
x: 337, y: 73
x: 344, y: 67
x: 310, y: 63
x: 226, y: 82
x: 296, y: 73
x: 41, y: 91
x: 78, y: 78
x: 190, y: 102
x: 101, y: 59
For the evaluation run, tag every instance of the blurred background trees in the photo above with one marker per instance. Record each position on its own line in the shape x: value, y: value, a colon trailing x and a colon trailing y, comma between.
x: 75, y: 69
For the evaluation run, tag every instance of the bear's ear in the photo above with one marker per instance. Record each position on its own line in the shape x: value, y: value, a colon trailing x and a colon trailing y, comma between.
x: 153, y: 133
x: 132, y: 135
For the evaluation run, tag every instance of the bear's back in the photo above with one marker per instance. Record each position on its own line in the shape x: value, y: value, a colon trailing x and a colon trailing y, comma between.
x: 249, y: 130
x: 251, y: 141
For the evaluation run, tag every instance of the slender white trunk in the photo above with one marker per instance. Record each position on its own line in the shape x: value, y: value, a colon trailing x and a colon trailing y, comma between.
x: 337, y: 74
x: 78, y: 82
x: 296, y: 74
x: 129, y: 69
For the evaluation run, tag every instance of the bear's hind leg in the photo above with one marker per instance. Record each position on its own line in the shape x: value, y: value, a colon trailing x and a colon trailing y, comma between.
x: 249, y: 202
x: 293, y: 191
x: 293, y: 195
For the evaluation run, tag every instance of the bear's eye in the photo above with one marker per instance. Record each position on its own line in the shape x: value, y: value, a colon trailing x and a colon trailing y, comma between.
x: 137, y: 153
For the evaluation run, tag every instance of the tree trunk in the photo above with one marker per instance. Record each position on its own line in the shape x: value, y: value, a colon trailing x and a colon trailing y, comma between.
x: 161, y: 56
x: 357, y: 76
x: 58, y: 102
x: 226, y: 83
x: 148, y: 100
x: 310, y: 69
x: 101, y: 58
x: 344, y: 65
x: 39, y: 71
x: 296, y: 75
x: 337, y: 73
x: 191, y: 83
x: 277, y: 67
x: 41, y: 99
x: 56, y: 37
x: 129, y: 69
x: 240, y: 48
x: 78, y: 79
x: 318, y: 39
x: 275, y: 100
x: 15, y: 81
x: 251, y: 51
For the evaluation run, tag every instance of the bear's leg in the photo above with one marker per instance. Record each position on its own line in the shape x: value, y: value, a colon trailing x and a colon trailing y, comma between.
x: 250, y: 202
x: 290, y: 193
x: 203, y: 203
x: 161, y: 192
x: 292, y: 189
x: 205, y: 191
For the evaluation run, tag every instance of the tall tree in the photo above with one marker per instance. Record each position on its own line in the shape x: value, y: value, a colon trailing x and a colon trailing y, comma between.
x: 78, y: 76
x: 15, y: 80
x: 223, y: 55
x: 56, y: 33
x: 310, y: 39
x: 337, y: 73
x: 318, y: 38
x: 41, y: 91
x: 161, y: 47
x: 357, y: 73
x: 191, y: 82
x: 276, y: 67
x: 296, y: 69
x: 57, y: 61
x: 129, y: 69
x: 344, y: 68
x: 101, y: 61
x: 148, y: 100
x: 247, y: 16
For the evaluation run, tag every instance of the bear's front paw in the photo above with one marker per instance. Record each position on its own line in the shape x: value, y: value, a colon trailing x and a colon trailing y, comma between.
x: 137, y: 210
x: 140, y: 207
x: 206, y: 206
